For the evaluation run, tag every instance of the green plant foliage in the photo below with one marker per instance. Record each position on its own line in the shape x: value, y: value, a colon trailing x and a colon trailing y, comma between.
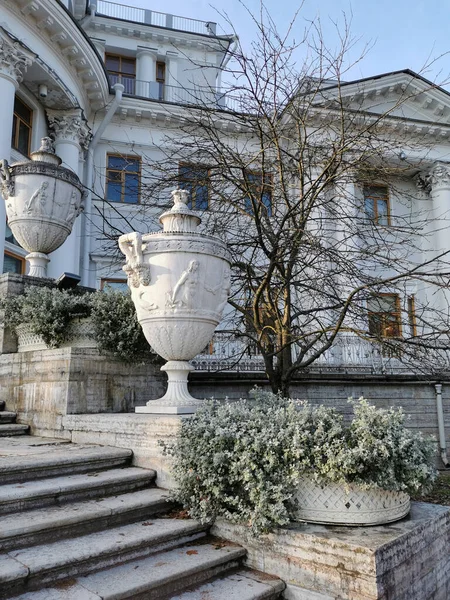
x: 49, y: 312
x: 243, y: 460
x: 116, y: 328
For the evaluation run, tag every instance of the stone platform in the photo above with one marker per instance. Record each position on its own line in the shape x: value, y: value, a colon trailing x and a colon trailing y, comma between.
x: 407, y: 560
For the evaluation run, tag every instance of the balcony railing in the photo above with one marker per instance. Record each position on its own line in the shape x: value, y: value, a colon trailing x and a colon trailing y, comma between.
x: 349, y: 354
x: 200, y: 96
x: 152, y: 17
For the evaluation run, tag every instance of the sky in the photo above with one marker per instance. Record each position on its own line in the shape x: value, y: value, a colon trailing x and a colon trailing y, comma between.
x: 401, y: 34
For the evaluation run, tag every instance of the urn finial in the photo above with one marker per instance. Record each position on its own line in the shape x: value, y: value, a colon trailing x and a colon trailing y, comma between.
x: 180, y: 218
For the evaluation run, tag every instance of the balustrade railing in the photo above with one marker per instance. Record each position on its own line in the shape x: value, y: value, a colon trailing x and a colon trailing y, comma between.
x: 152, y: 17
x: 349, y: 354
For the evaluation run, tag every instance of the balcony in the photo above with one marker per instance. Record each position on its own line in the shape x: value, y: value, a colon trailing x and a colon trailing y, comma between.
x: 202, y: 96
x: 152, y: 17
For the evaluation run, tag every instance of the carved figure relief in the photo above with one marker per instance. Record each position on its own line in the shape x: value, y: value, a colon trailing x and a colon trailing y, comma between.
x: 74, y: 208
x: 225, y: 292
x: 6, y: 182
x: 143, y: 303
x: 137, y: 272
x: 185, y: 290
x: 38, y: 200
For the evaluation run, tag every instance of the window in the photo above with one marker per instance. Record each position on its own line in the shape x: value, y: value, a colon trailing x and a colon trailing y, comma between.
x: 260, y: 190
x: 376, y: 204
x: 22, y: 126
x: 123, y: 176
x: 412, y: 316
x: 13, y: 263
x: 161, y: 78
x: 384, y: 316
x: 194, y: 179
x: 9, y: 237
x: 114, y: 284
x: 122, y: 70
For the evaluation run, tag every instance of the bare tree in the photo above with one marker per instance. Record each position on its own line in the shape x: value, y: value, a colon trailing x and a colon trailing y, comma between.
x: 300, y: 172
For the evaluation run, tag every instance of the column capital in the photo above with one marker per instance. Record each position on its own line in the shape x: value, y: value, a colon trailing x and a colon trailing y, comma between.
x: 141, y: 50
x: 69, y: 126
x: 14, y: 58
x: 439, y: 176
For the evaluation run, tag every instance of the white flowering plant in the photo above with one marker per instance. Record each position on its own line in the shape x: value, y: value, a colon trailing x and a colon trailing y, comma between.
x: 244, y: 460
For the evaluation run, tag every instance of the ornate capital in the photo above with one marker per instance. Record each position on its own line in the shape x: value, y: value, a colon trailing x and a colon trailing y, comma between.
x: 439, y: 175
x: 14, y: 58
x: 69, y: 126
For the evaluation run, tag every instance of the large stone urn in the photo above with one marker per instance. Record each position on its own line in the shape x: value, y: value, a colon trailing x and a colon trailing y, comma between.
x: 43, y: 200
x: 180, y: 282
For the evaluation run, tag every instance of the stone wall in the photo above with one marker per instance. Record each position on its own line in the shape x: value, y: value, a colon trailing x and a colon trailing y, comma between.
x: 44, y: 386
x: 417, y: 397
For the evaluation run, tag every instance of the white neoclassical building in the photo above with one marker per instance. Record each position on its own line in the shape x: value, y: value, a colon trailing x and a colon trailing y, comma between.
x: 111, y: 83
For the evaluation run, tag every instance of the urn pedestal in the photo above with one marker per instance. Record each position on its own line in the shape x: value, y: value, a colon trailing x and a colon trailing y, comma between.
x: 43, y: 200
x: 180, y: 282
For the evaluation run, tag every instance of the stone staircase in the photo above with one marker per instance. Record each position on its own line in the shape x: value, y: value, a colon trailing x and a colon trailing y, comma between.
x: 8, y: 425
x: 79, y: 523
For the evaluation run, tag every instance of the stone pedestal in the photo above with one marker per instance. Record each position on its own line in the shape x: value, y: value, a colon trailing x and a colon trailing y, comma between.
x: 408, y: 560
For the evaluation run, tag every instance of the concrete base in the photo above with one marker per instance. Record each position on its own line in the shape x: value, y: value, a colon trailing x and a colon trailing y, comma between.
x: 155, y: 408
x: 143, y: 434
x: 407, y: 560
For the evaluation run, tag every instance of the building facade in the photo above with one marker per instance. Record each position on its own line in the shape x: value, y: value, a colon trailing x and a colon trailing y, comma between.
x: 111, y: 84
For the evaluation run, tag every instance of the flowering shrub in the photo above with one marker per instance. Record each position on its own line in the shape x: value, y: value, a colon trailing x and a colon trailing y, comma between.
x: 50, y: 311
x: 243, y: 461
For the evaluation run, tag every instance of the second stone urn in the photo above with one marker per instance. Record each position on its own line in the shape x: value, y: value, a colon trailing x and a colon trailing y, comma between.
x: 43, y: 200
x: 180, y: 283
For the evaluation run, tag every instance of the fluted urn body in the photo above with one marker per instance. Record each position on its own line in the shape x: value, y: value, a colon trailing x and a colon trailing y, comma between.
x: 43, y: 200
x: 180, y: 282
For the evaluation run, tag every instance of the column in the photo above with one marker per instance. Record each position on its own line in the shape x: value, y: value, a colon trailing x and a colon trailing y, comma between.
x: 173, y: 91
x: 14, y: 61
x: 146, y: 73
x: 71, y: 134
x: 437, y: 238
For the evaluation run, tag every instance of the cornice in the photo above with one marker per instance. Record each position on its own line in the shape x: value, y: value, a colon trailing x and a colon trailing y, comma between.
x: 54, y: 25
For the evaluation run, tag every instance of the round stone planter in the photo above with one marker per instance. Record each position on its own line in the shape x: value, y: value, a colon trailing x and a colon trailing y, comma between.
x: 81, y: 329
x: 336, y: 504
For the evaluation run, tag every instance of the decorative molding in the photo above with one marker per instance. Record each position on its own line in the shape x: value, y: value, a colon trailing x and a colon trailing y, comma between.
x: 439, y: 175
x: 14, y: 58
x: 69, y: 126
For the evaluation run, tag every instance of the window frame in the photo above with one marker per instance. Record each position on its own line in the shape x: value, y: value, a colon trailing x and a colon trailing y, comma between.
x: 123, y: 172
x: 104, y: 281
x: 265, y: 186
x: 18, y: 257
x: 375, y: 198
x: 412, y: 321
x: 160, y: 80
x: 385, y: 320
x: 122, y: 77
x: 17, y: 120
x: 195, y: 182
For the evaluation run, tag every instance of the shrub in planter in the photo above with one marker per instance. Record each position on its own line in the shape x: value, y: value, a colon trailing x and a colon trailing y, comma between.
x: 244, y: 461
x: 49, y: 312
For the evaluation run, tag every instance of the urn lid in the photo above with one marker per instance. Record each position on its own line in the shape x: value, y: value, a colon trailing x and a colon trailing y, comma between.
x: 46, y: 153
x: 180, y: 218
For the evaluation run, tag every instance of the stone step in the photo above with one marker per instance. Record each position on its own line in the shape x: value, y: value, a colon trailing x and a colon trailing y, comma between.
x: 7, y: 416
x: 57, y: 490
x: 32, y: 568
x: 58, y: 459
x: 41, y: 526
x: 13, y: 429
x: 243, y: 584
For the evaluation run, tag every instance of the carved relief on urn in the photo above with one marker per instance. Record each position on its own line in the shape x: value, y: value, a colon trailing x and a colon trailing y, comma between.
x: 42, y: 200
x: 180, y: 283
